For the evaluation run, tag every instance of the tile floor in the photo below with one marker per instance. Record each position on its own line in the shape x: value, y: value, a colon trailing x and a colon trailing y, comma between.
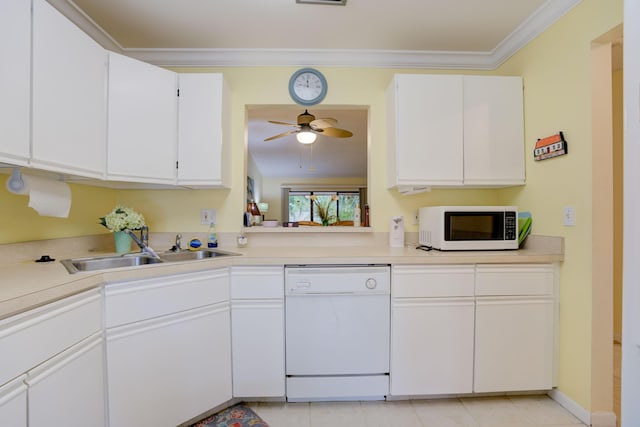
x: 512, y: 411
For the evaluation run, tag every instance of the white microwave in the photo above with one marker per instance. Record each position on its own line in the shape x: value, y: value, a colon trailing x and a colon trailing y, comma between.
x: 464, y: 228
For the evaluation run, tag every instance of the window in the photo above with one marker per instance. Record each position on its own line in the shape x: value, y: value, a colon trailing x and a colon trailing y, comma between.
x: 318, y: 205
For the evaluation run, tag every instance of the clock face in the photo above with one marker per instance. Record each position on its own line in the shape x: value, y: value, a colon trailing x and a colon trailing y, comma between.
x: 307, y: 86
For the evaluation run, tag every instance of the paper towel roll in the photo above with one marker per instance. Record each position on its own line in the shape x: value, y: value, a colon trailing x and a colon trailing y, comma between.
x: 46, y: 196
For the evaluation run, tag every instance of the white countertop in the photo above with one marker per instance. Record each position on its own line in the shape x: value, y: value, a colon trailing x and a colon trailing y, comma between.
x: 27, y: 284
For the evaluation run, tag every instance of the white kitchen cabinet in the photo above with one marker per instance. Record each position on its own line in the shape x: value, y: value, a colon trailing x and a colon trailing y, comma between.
x: 69, y: 389
x: 257, y: 298
x: 15, y: 32
x: 454, y: 131
x: 28, y: 339
x: 142, y: 122
x: 424, y: 130
x: 516, y: 328
x: 13, y: 403
x: 493, y: 131
x: 203, y: 131
x: 58, y: 346
x: 432, y: 330
x: 168, y: 348
x: 69, y: 107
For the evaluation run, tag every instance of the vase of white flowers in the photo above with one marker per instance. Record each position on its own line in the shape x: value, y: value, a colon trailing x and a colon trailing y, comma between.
x: 119, y: 219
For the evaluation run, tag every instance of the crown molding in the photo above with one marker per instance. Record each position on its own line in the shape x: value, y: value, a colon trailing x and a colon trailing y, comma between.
x: 540, y: 20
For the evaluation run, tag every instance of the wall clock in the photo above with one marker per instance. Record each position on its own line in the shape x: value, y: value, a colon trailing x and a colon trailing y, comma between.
x: 307, y: 86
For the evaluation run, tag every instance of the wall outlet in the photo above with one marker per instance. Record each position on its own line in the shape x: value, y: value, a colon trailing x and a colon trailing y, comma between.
x: 207, y: 216
x: 416, y: 219
x: 569, y: 215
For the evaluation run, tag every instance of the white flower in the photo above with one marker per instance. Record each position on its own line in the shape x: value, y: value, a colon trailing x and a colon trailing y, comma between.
x: 121, y: 218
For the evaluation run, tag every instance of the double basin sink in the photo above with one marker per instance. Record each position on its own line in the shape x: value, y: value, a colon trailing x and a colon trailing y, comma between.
x: 75, y: 265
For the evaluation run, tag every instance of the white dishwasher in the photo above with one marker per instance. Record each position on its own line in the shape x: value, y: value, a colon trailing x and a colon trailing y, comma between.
x: 337, y: 332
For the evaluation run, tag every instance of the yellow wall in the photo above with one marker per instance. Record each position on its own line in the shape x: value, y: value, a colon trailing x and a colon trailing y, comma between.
x: 556, y: 72
x: 555, y: 67
x: 22, y: 224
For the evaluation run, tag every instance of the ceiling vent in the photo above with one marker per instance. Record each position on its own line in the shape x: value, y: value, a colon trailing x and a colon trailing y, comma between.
x: 334, y: 2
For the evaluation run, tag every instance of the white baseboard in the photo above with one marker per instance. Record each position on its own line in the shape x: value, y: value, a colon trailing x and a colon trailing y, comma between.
x: 595, y: 419
x: 570, y: 405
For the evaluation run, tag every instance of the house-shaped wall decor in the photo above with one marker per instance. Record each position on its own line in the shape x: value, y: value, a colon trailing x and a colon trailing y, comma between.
x: 551, y: 146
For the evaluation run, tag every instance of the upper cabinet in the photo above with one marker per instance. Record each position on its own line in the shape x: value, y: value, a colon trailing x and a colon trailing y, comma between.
x: 15, y: 31
x: 424, y: 130
x: 453, y: 130
x: 493, y: 131
x: 143, y: 120
x: 68, y: 106
x: 203, y: 130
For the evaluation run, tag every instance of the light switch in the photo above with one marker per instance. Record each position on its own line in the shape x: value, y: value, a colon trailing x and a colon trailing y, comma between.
x: 569, y: 216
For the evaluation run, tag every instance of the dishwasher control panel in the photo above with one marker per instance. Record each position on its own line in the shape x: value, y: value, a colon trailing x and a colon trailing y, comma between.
x: 337, y: 279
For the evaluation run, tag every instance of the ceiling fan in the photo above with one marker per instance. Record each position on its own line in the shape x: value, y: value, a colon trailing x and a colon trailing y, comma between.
x: 309, y: 127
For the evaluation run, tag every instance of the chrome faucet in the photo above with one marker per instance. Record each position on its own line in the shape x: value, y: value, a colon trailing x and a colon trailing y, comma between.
x: 143, y: 241
x: 178, y: 244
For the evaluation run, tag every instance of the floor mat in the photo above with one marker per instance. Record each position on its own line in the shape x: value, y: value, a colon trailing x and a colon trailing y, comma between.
x: 235, y: 416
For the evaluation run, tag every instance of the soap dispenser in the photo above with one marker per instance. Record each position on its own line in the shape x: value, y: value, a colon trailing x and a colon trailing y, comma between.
x: 213, y: 238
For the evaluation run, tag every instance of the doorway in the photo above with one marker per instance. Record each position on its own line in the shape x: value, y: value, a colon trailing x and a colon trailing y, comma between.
x: 607, y: 202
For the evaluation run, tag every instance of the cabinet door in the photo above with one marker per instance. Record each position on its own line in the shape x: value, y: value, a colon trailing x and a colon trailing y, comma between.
x: 257, y: 294
x: 30, y: 338
x: 142, y: 120
x: 493, y: 131
x: 514, y: 343
x: 203, y: 131
x: 13, y: 403
x: 69, y: 390
x: 258, y: 353
x: 15, y: 32
x: 424, y: 131
x: 432, y: 346
x: 165, y: 371
x: 69, y: 102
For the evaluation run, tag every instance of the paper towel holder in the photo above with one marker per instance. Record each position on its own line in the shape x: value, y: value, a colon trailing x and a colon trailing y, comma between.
x: 15, y: 183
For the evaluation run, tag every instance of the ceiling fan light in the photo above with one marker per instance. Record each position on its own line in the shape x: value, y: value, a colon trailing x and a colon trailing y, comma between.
x: 306, y: 137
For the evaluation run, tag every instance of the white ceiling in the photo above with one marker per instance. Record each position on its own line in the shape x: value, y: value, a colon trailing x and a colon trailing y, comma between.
x: 453, y: 34
x: 390, y: 33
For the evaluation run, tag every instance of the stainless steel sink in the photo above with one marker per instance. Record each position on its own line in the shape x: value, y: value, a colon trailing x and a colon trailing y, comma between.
x: 194, y: 255
x: 75, y: 265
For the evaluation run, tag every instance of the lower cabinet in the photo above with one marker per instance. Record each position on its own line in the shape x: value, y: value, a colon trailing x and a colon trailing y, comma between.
x: 257, y: 327
x: 53, y: 358
x: 168, y: 348
x: 465, y: 328
x: 515, y: 328
x: 432, y: 330
x: 69, y: 389
x: 13, y: 403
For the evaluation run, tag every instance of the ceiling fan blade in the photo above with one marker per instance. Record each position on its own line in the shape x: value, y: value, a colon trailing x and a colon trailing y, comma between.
x: 275, y: 122
x: 323, y: 123
x: 280, y: 135
x: 335, y: 132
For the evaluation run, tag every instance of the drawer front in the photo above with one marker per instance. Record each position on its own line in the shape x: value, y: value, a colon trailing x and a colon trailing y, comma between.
x: 522, y: 279
x: 137, y: 300
x: 415, y: 281
x: 30, y: 338
x: 261, y: 282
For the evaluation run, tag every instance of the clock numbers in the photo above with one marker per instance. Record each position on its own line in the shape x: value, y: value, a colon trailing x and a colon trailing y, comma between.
x: 307, y: 86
